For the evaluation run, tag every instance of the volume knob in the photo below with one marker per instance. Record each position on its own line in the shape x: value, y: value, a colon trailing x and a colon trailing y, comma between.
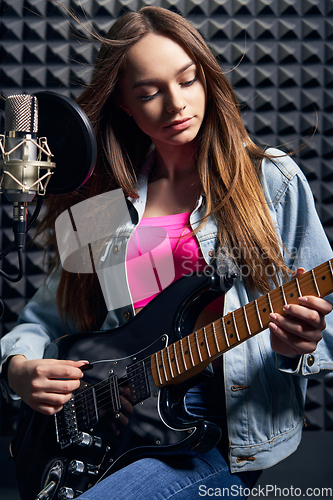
x: 76, y: 467
x: 84, y: 439
x: 66, y: 493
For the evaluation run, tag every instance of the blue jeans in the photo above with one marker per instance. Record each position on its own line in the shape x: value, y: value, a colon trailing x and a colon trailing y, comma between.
x: 205, y: 475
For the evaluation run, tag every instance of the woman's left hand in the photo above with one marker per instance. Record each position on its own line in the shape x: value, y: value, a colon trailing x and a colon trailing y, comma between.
x: 300, y: 329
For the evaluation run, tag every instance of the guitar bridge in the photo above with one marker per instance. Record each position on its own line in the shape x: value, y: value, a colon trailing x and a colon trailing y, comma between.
x: 66, y: 424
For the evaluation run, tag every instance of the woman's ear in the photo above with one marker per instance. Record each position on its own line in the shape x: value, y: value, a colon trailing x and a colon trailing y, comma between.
x: 125, y: 109
x: 120, y: 100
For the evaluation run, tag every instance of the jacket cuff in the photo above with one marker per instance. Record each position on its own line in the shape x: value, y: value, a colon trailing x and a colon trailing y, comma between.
x: 6, y: 391
x: 305, y: 365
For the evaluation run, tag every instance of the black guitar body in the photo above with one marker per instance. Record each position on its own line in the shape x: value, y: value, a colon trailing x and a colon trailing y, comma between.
x: 118, y: 415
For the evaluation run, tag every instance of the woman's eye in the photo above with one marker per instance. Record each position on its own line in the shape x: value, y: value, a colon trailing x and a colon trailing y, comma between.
x: 190, y: 82
x: 148, y: 97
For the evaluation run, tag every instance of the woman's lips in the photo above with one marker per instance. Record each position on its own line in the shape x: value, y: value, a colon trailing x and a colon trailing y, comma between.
x: 180, y: 124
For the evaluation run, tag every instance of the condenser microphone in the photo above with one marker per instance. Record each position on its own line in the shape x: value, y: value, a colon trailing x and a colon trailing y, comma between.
x: 26, y: 160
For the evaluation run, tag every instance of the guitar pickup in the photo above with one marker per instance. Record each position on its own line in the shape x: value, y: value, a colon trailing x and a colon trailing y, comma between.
x: 114, y: 394
x: 138, y: 382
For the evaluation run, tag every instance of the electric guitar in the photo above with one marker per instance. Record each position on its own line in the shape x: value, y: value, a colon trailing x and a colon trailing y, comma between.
x: 131, y: 404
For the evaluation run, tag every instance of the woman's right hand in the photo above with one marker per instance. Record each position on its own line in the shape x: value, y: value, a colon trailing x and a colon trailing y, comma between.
x: 44, y: 384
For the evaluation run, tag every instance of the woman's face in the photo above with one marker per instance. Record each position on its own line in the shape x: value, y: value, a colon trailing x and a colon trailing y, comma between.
x: 160, y: 88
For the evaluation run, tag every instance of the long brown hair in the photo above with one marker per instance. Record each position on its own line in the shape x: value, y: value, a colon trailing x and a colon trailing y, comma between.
x: 228, y: 161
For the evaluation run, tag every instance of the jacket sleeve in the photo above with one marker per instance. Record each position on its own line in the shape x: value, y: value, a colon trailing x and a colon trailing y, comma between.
x: 38, y: 325
x: 305, y: 245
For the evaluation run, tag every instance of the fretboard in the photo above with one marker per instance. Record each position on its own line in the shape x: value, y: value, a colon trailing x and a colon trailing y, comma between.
x: 190, y: 355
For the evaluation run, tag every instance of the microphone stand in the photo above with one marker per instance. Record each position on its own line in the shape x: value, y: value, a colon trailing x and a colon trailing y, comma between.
x: 20, y: 229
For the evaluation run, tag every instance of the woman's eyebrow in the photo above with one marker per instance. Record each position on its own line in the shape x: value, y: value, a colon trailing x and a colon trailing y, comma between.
x: 152, y: 81
x: 192, y: 63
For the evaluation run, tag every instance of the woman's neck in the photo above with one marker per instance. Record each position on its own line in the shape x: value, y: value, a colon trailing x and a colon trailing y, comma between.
x: 175, y: 162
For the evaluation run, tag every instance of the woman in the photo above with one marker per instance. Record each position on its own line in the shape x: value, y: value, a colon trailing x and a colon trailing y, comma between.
x: 157, y: 84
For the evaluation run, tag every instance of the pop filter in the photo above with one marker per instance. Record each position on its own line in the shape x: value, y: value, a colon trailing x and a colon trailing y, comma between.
x: 71, y: 139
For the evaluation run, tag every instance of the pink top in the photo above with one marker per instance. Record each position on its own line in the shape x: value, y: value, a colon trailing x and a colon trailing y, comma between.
x: 161, y: 250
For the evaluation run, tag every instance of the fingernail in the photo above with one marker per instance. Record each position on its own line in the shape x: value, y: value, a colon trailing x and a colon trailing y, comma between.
x: 286, y: 307
x: 303, y: 299
x: 273, y: 326
x: 272, y: 316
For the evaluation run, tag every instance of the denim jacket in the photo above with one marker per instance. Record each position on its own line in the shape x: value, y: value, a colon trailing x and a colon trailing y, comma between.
x: 265, y: 392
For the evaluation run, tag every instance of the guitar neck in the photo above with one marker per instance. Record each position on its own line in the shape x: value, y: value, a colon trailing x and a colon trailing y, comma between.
x: 190, y: 355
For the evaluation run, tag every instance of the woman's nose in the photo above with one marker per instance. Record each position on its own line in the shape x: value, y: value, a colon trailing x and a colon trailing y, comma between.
x: 175, y: 102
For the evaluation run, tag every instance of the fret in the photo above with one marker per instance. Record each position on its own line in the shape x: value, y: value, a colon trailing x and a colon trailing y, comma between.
x: 157, y: 368
x: 197, y: 344
x: 331, y: 269
x: 163, y: 366
x: 235, y: 325
x: 175, y: 357
x: 298, y: 287
x: 246, y: 320
x: 215, y: 337
x: 283, y: 295
x: 190, y: 350
x: 225, y: 332
x: 182, y: 353
x: 206, y: 340
x: 268, y: 295
x: 258, y: 313
x: 315, y: 282
x: 170, y: 362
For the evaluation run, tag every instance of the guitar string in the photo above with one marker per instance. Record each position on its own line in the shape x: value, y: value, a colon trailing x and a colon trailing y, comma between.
x: 218, y: 330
